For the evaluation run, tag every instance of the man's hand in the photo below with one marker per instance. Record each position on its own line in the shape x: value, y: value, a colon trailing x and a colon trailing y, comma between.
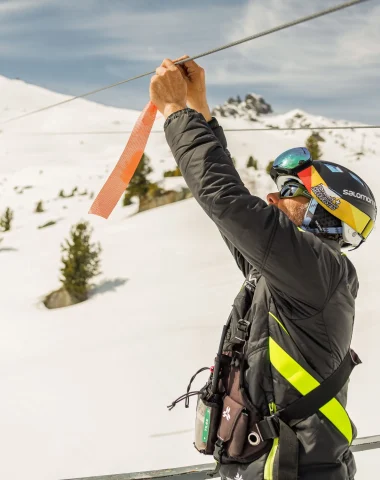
x: 195, y: 78
x: 168, y: 89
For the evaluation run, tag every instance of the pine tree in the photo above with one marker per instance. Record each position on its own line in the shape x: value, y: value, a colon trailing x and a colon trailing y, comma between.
x: 6, y: 220
x: 81, y: 261
x: 313, y: 147
x: 39, y: 207
x: 154, y: 190
x: 269, y: 167
x: 252, y: 162
x: 127, y: 199
x: 173, y: 173
x: 139, y: 184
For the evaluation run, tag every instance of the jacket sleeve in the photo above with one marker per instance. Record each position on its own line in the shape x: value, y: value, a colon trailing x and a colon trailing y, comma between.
x: 242, y: 263
x: 296, y: 264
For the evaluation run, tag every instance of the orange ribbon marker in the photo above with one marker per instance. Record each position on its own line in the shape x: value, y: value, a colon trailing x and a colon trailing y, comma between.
x: 125, y: 168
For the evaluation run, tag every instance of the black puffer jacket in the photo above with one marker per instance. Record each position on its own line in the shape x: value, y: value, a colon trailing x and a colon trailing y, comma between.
x: 303, y: 308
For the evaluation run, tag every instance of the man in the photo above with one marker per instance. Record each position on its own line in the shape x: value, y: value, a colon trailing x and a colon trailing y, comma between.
x: 292, y: 322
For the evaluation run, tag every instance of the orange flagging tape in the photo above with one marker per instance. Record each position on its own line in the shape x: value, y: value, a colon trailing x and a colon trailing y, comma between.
x: 121, y: 175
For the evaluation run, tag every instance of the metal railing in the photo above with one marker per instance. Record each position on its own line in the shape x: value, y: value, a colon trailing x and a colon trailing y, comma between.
x: 200, y: 472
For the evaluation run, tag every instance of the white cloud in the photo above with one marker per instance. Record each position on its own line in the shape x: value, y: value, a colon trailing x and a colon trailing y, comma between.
x: 325, y: 56
x: 154, y: 35
x: 17, y: 6
x: 14, y: 6
x: 124, y: 34
x: 361, y: 43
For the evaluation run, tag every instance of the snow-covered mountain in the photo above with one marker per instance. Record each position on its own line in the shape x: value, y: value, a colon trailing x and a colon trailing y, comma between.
x: 85, y: 388
x: 250, y: 108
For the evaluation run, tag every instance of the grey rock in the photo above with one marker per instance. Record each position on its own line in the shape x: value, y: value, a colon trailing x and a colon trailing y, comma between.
x: 60, y: 298
x: 252, y: 107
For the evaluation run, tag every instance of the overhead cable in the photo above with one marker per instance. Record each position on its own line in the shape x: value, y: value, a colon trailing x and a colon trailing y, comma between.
x: 209, y: 52
x: 123, y: 132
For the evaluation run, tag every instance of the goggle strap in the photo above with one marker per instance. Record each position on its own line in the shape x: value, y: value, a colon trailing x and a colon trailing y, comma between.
x: 310, y: 213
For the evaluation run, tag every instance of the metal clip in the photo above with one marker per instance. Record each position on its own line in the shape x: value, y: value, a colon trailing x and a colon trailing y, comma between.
x: 269, y: 427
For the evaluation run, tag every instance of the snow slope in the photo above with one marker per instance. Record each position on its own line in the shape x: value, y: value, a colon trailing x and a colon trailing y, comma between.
x: 85, y: 388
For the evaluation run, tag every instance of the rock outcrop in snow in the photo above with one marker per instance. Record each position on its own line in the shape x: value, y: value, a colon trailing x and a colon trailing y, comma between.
x: 251, y: 107
x: 169, y: 196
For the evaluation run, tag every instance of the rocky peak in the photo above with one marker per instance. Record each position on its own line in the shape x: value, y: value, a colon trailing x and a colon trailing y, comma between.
x: 251, y: 107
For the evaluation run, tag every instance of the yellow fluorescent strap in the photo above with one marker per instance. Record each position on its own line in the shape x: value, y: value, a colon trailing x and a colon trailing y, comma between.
x: 278, y: 321
x: 302, y: 381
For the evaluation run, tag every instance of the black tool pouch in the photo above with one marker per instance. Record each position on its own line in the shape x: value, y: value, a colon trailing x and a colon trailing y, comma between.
x: 233, y: 427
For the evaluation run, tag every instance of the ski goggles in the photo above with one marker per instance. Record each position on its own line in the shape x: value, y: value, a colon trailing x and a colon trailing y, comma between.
x: 291, y: 162
x: 293, y: 189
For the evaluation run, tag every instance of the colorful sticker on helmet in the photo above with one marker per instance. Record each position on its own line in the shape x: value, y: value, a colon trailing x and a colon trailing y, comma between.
x: 334, y: 169
x: 356, y: 178
x: 326, y: 196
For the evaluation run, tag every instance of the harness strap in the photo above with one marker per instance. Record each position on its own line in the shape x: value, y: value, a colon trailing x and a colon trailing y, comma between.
x: 328, y: 389
x: 279, y: 424
x: 288, y: 453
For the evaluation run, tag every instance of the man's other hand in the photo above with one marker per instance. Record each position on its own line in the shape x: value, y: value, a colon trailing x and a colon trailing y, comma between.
x: 195, y: 78
x: 168, y: 88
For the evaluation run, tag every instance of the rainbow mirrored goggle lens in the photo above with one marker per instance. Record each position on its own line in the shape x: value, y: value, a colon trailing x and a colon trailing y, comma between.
x: 292, y: 160
x: 290, y: 190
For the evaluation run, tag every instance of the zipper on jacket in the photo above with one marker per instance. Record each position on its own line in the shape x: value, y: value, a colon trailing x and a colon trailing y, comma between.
x: 268, y: 469
x: 272, y: 408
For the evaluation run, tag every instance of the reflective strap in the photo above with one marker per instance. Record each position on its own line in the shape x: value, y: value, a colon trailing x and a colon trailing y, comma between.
x: 302, y: 381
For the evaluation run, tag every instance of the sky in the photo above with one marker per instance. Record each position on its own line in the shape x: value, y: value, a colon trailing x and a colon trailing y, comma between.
x: 329, y: 66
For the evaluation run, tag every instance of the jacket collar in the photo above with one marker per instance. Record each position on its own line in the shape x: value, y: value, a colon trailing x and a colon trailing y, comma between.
x: 331, y: 243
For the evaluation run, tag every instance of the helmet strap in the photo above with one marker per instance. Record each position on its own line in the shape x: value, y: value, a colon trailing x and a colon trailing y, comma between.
x: 329, y: 230
x: 309, y: 214
x: 309, y: 217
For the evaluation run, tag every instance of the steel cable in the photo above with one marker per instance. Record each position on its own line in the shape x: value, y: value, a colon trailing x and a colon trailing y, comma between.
x: 122, y: 132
